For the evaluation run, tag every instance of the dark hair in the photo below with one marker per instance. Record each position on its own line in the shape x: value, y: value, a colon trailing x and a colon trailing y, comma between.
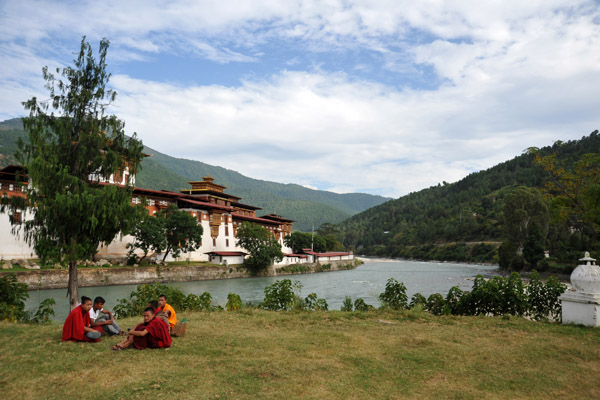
x: 153, y: 303
x: 162, y: 295
x: 84, y: 299
x: 99, y: 300
x: 149, y: 309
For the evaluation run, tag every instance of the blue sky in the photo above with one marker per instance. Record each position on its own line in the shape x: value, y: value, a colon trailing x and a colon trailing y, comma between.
x: 384, y: 97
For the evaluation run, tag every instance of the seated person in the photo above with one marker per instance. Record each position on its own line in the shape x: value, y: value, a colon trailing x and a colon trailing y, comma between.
x: 152, y: 333
x: 163, y: 306
x: 104, y: 318
x: 77, y: 325
x: 164, y: 316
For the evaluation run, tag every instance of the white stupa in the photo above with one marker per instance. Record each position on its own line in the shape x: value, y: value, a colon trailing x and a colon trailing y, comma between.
x: 581, y: 305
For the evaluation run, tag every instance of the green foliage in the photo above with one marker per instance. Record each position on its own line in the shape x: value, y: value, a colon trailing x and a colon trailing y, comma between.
x: 149, y: 235
x: 183, y: 232
x: 360, y: 305
x: 319, y: 243
x: 261, y: 244
x: 12, y: 298
x: 347, y: 304
x: 279, y: 296
x: 44, y: 313
x: 234, y: 302
x: 525, y: 217
x: 296, y: 269
x: 313, y: 303
x: 418, y: 300
x: 72, y: 143
x: 394, y: 295
x: 12, y: 303
x: 193, y: 302
x: 138, y: 299
x: 435, y: 304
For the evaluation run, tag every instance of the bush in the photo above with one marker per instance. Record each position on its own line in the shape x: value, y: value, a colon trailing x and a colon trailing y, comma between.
x: 12, y: 303
x: 394, y: 295
x: 279, y: 296
x: 234, y: 302
x: 12, y: 299
x: 138, y: 300
x: 360, y: 305
x: 418, y: 299
x: 435, y: 304
x: 347, y: 304
x: 313, y: 303
x: 197, y: 303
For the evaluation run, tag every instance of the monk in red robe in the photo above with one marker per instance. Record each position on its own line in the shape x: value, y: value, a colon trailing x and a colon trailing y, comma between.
x: 77, y: 325
x: 153, y: 333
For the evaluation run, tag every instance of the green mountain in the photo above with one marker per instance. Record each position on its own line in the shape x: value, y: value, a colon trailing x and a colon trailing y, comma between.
x: 306, y: 206
x: 463, y: 221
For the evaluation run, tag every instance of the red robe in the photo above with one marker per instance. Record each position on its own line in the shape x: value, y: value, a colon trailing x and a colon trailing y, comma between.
x: 158, y: 335
x: 73, y: 329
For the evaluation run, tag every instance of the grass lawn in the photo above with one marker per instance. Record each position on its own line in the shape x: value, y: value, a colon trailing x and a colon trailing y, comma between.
x: 312, y: 355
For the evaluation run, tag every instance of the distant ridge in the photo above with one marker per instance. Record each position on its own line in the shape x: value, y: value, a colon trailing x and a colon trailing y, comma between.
x: 465, y: 215
x: 161, y: 171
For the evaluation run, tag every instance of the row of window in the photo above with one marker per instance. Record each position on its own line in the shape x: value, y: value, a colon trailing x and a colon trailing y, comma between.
x: 11, y: 187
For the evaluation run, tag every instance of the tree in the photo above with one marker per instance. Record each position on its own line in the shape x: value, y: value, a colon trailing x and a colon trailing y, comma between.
x: 524, y: 210
x: 150, y: 235
x: 575, y: 189
x: 182, y: 231
x: 264, y: 249
x: 72, y: 143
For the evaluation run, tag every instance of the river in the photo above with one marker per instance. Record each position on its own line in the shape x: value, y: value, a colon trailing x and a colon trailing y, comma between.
x: 366, y: 281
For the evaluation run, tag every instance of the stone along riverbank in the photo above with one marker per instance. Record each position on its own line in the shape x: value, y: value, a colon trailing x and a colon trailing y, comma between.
x: 88, y: 277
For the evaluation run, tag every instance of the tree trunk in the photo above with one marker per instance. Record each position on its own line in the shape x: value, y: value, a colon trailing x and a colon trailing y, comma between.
x: 73, y: 288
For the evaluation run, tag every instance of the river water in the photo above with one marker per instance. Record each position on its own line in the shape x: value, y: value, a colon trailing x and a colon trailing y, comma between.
x: 366, y: 281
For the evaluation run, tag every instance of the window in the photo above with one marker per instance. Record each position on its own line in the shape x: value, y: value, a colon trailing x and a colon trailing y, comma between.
x: 23, y: 188
x: 214, y: 242
x: 151, y: 202
x: 136, y: 200
x: 226, y: 230
x: 163, y: 203
x: 11, y: 187
x: 226, y: 242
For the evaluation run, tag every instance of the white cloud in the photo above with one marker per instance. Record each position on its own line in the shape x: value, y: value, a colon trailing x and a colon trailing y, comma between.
x: 515, y: 74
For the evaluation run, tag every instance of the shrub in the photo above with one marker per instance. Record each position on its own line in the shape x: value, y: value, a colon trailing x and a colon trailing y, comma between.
x: 435, y: 304
x: 394, y: 295
x: 360, y: 305
x: 453, y: 300
x: 347, y: 304
x: 418, y: 299
x: 12, y: 303
x: 313, y: 303
x: 234, y: 302
x: 197, y: 303
x: 12, y: 299
x: 279, y: 296
x: 139, y: 299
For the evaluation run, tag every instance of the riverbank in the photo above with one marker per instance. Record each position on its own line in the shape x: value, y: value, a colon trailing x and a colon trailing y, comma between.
x: 314, y: 355
x: 93, y: 277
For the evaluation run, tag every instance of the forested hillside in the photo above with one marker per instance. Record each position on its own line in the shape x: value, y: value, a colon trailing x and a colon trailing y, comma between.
x: 307, y: 206
x: 463, y: 221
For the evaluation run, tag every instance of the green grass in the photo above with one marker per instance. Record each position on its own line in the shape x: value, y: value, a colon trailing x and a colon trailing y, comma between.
x: 312, y: 355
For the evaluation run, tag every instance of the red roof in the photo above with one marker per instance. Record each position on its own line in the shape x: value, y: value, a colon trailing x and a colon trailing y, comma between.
x: 296, y: 255
x: 227, y: 253
x: 276, y: 217
x: 254, y: 219
x: 205, y: 204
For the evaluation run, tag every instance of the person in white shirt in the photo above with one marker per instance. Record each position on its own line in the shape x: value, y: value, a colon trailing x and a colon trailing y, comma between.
x: 104, y: 318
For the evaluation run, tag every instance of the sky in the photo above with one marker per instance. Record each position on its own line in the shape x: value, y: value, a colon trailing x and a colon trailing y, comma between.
x: 383, y: 97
